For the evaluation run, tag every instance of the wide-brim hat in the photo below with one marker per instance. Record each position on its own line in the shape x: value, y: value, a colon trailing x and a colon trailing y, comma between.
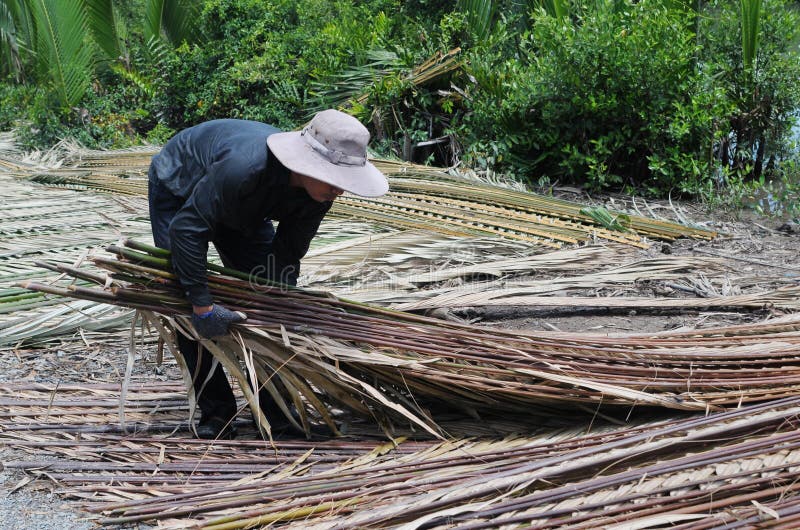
x: 333, y: 149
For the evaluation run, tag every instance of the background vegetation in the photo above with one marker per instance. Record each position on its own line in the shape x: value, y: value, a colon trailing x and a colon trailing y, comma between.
x: 654, y: 96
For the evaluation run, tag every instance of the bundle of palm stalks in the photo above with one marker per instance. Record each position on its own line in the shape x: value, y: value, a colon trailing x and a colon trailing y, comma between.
x: 733, y: 469
x: 332, y: 353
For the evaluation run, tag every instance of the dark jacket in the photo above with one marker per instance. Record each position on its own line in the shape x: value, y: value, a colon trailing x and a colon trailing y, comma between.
x: 229, y: 181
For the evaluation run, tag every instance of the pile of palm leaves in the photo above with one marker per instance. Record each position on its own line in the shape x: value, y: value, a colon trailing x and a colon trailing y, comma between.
x: 59, y: 225
x: 329, y: 353
x: 735, y: 469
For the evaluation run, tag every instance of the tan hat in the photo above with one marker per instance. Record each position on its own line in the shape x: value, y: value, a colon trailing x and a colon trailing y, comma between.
x: 333, y: 149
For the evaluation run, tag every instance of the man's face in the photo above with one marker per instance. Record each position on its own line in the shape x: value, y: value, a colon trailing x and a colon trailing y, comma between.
x: 318, y: 190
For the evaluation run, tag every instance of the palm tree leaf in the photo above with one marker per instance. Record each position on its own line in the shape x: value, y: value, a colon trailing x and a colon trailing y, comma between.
x: 480, y: 15
x: 554, y: 8
x: 750, y: 16
x: 8, y: 38
x: 174, y: 19
x: 65, y: 59
x: 103, y: 25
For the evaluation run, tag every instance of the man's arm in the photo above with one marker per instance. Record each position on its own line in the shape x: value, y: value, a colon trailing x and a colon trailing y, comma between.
x: 190, y: 231
x: 213, y: 201
x: 291, y: 242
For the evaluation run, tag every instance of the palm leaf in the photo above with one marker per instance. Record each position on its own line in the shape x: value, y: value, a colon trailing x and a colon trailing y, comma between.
x: 175, y: 20
x: 8, y: 39
x: 64, y: 58
x: 24, y: 25
x: 338, y: 89
x: 480, y: 16
x: 750, y: 13
x: 103, y: 25
x: 554, y: 8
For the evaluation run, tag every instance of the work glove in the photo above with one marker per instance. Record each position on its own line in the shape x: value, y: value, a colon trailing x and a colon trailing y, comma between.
x: 216, y: 322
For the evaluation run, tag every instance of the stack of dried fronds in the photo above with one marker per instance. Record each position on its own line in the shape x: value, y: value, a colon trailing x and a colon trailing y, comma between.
x: 734, y: 469
x: 421, y: 197
x: 386, y: 364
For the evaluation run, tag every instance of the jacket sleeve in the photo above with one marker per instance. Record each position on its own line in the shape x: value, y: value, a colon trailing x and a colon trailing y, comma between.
x: 291, y: 242
x: 196, y: 223
x: 189, y: 232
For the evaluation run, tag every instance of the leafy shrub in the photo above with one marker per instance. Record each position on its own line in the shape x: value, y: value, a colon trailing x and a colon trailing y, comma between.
x: 106, y: 120
x: 764, y: 100
x: 33, y: 113
x: 598, y: 99
x: 261, y: 57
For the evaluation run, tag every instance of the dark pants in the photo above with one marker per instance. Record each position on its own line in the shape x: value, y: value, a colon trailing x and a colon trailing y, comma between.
x: 237, y: 252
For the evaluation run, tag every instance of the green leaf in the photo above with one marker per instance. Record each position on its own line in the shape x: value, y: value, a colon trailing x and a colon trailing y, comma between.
x: 750, y: 13
x: 619, y: 221
x: 554, y: 8
x: 63, y: 55
x: 103, y: 26
x: 173, y: 20
x: 480, y: 15
x: 8, y: 39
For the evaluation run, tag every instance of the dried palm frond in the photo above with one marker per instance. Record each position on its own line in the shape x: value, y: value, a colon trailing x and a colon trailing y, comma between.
x: 404, y: 260
x: 700, y: 472
x: 695, y: 472
x: 421, y: 197
x: 524, y: 292
x: 393, y: 365
x: 65, y: 319
x: 61, y: 226
x: 787, y: 298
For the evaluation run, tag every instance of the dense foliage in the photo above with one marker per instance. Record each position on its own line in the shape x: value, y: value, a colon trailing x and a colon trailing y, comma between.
x: 663, y: 96
x: 598, y: 96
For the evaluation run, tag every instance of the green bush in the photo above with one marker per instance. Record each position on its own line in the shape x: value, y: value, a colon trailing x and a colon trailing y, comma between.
x: 765, y: 101
x: 32, y: 112
x: 261, y: 57
x: 598, y: 99
x: 106, y: 119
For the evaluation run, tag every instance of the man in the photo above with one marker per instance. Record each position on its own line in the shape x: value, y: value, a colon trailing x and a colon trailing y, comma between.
x: 224, y: 182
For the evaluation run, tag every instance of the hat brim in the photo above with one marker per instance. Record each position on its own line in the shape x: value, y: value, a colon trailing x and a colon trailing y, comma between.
x: 300, y: 157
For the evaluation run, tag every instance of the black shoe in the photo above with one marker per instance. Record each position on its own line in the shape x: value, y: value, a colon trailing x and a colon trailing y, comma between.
x: 279, y: 425
x: 215, y: 428
x: 282, y: 428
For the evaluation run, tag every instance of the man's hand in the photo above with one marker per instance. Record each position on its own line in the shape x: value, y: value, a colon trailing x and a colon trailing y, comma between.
x: 216, y: 321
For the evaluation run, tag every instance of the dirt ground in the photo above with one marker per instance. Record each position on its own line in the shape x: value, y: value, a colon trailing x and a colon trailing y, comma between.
x: 760, y: 254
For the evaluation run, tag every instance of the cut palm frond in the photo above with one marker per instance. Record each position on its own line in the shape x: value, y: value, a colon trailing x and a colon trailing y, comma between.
x: 413, y: 257
x: 516, y: 292
x: 421, y: 197
x: 728, y: 468
x: 787, y: 298
x: 66, y: 318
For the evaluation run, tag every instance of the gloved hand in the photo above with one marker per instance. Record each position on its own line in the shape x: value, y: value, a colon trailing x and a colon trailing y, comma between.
x: 216, y: 322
